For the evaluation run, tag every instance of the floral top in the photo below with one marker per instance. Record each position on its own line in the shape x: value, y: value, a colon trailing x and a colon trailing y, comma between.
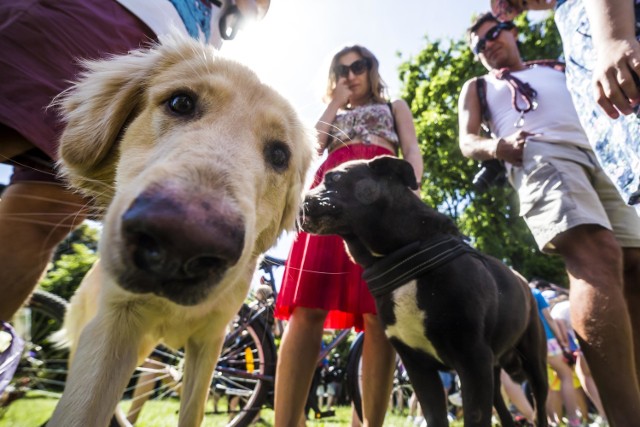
x: 362, y: 122
x: 616, y: 142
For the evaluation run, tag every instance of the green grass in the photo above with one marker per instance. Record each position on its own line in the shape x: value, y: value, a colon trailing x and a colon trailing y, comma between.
x: 33, y: 412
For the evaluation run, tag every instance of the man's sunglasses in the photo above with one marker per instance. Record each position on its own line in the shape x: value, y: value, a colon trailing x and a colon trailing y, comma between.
x: 491, y: 35
x: 358, y: 67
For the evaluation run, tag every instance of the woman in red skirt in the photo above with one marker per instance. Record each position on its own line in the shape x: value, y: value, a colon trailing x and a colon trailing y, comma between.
x: 322, y: 287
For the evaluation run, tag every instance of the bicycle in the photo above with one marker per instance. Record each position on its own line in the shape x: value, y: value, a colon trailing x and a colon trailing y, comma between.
x: 244, y: 376
x: 402, y: 388
x: 42, y: 369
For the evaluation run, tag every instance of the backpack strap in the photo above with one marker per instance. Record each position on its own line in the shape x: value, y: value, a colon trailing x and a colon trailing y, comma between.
x: 485, y: 114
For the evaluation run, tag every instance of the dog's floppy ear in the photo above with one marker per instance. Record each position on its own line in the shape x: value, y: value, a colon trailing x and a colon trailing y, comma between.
x: 388, y: 165
x: 96, y: 109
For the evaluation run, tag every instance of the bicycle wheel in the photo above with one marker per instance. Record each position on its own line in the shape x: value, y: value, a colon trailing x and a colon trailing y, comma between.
x: 246, y: 370
x: 43, y: 366
x: 241, y: 382
x: 354, y: 374
x: 401, y: 390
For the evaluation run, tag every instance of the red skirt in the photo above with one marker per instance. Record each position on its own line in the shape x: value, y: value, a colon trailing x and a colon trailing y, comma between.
x: 319, y: 273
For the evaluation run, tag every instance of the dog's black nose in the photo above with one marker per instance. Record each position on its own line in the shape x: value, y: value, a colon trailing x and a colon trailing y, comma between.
x: 173, y: 240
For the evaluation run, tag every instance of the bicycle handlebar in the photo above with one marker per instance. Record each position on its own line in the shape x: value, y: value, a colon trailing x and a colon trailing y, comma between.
x: 268, y: 260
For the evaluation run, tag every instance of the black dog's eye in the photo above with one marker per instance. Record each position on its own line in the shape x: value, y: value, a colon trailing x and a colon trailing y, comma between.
x: 277, y: 154
x: 182, y: 104
x: 335, y: 177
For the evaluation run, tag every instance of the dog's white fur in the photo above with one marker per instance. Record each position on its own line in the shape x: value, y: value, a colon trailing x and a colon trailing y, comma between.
x: 121, y: 140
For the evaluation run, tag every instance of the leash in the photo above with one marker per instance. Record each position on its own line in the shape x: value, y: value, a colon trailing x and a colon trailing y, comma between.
x: 518, y: 89
x: 412, y: 261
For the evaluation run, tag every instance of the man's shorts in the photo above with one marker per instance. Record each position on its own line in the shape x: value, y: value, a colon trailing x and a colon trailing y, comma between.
x: 561, y: 186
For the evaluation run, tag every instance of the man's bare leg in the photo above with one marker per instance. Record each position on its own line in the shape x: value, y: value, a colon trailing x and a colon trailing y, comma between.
x: 34, y: 218
x: 631, y: 257
x: 600, y: 318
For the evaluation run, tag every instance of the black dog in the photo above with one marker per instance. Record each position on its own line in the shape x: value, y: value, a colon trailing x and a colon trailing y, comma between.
x: 444, y: 305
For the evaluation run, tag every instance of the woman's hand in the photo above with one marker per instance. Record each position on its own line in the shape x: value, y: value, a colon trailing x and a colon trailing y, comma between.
x: 615, y: 77
x: 341, y: 92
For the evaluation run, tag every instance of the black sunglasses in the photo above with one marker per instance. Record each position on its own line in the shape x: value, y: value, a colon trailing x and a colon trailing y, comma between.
x: 358, y: 67
x: 491, y: 35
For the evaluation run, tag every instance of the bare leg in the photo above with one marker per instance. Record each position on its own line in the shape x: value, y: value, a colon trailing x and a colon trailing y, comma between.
x: 582, y: 404
x: 142, y: 391
x: 34, y: 217
x: 569, y: 397
x: 517, y: 397
x: 631, y: 276
x: 600, y: 318
x: 589, y: 387
x: 378, y: 363
x: 355, y: 421
x: 297, y: 360
x: 554, y: 407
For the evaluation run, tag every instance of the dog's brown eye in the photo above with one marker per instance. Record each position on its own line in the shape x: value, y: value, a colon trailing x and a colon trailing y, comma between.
x: 277, y: 155
x: 182, y: 104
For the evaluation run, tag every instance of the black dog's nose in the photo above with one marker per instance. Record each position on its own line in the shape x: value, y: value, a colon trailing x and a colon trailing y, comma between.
x: 170, y: 239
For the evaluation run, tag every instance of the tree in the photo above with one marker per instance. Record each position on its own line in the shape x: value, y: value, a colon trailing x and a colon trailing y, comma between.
x: 431, y: 84
x: 73, y: 258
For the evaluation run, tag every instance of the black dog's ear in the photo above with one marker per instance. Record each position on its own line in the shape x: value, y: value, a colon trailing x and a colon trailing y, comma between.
x: 388, y: 165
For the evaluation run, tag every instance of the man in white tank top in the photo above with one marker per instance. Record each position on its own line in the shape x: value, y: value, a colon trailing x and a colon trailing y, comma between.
x: 568, y: 202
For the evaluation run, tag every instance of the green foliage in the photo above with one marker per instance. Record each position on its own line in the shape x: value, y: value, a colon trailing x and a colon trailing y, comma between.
x: 73, y: 258
x: 432, y: 82
x: 85, y: 235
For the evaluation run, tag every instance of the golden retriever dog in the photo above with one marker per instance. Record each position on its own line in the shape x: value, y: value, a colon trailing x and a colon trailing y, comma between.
x: 200, y: 167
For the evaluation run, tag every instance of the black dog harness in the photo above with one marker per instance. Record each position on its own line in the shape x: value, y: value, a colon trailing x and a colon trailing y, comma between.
x: 412, y: 261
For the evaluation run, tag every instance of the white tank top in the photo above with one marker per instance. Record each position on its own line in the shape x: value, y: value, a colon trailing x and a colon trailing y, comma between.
x: 555, y: 119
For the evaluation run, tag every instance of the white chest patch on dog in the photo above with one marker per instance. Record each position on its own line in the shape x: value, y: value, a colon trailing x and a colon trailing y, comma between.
x: 409, y: 326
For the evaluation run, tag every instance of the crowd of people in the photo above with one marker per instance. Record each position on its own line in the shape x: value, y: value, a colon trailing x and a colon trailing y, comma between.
x: 573, y: 156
